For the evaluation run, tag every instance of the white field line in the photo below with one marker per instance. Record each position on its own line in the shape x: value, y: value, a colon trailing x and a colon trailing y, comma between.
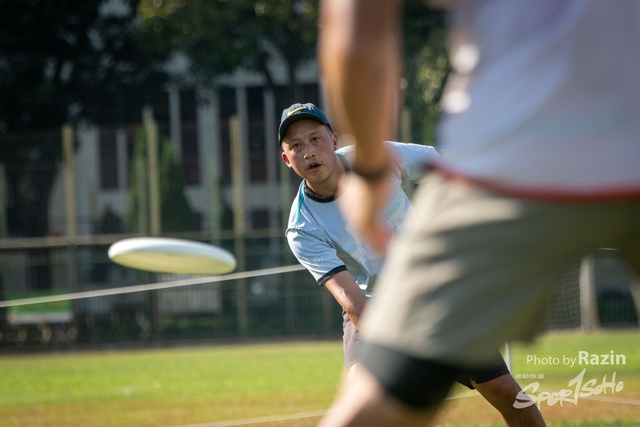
x: 300, y: 415
x: 614, y: 400
x: 259, y: 420
x: 285, y: 417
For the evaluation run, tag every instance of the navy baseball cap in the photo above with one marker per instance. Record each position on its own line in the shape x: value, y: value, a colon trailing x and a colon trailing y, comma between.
x: 300, y: 112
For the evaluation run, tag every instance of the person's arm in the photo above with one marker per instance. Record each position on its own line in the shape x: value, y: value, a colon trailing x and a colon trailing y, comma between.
x: 321, y: 260
x: 412, y: 159
x: 348, y: 294
x: 359, y: 52
x: 360, y: 62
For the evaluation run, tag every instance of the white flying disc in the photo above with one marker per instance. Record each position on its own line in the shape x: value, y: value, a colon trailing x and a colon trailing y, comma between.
x: 165, y: 255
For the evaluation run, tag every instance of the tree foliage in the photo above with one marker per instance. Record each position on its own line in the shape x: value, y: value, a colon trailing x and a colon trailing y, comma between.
x: 63, y: 61
x: 426, y: 67
x: 101, y: 60
x: 220, y: 36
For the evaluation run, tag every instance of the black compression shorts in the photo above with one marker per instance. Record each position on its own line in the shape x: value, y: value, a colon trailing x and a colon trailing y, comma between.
x: 421, y: 383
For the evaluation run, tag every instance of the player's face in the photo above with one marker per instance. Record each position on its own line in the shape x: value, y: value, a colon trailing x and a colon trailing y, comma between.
x: 309, y: 149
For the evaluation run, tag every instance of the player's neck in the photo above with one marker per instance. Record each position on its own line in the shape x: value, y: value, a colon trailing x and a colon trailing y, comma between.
x: 329, y: 187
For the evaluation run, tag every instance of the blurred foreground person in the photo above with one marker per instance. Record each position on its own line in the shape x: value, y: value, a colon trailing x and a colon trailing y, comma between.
x: 540, y: 166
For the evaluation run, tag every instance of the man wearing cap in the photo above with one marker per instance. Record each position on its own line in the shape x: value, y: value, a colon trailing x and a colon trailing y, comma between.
x: 344, y: 263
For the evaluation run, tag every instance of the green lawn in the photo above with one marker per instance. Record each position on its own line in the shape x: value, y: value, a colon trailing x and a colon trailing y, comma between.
x: 170, y: 387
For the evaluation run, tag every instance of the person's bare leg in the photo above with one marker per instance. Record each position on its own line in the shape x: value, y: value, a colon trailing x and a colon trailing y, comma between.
x: 353, y: 371
x: 501, y: 392
x: 363, y: 403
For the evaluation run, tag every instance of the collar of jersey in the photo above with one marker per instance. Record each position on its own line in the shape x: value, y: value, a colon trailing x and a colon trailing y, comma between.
x: 313, y: 196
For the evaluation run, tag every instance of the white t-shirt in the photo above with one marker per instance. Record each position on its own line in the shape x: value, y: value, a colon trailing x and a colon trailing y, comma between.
x: 321, y: 240
x: 544, y: 99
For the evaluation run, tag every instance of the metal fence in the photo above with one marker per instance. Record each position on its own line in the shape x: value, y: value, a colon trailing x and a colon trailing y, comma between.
x: 73, y: 192
x: 275, y: 305
x: 59, y: 214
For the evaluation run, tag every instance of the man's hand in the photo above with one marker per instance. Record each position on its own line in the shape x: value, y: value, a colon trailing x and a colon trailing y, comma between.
x: 362, y: 202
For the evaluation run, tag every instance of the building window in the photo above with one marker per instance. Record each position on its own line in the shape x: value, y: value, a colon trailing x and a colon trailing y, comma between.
x: 257, y: 152
x: 131, y: 133
x: 108, y: 149
x: 161, y: 114
x: 311, y: 93
x: 189, y: 133
x: 227, y: 97
x: 259, y: 219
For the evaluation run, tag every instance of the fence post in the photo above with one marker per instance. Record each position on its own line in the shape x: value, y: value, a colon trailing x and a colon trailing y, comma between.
x: 285, y: 206
x: 3, y: 235
x: 237, y: 178
x: 3, y: 201
x: 635, y: 295
x: 141, y: 201
x: 215, y: 208
x: 70, y: 214
x: 155, y: 225
x: 285, y: 193
x: 151, y: 133
x: 69, y: 181
x: 588, y: 308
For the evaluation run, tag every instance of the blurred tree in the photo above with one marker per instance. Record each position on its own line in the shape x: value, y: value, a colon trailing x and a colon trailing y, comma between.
x: 426, y: 67
x: 220, y: 36
x: 63, y: 61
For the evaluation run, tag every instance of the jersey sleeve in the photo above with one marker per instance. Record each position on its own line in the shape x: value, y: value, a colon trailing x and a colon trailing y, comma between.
x: 315, y: 254
x: 412, y: 159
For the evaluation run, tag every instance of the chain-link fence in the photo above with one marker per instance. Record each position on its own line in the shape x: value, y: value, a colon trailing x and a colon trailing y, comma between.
x: 76, y: 191
x: 274, y: 305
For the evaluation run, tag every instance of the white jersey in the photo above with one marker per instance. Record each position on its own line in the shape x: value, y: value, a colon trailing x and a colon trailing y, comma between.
x: 544, y: 97
x: 321, y: 240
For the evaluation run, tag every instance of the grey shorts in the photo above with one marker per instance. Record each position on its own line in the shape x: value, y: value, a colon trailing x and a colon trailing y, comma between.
x: 471, y: 270
x: 350, y: 341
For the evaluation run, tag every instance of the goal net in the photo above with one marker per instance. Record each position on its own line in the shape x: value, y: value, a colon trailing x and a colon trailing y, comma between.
x: 599, y: 292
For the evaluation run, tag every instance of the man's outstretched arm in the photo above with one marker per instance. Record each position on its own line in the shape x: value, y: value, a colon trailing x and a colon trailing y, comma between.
x: 348, y: 294
x: 360, y: 60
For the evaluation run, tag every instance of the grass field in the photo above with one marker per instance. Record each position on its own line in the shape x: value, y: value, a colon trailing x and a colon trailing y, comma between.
x: 258, y: 384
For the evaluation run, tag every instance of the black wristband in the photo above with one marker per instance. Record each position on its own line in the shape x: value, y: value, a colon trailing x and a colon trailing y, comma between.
x: 375, y: 176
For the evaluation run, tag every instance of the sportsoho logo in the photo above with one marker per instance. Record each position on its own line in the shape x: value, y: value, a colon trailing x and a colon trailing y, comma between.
x: 578, y: 387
